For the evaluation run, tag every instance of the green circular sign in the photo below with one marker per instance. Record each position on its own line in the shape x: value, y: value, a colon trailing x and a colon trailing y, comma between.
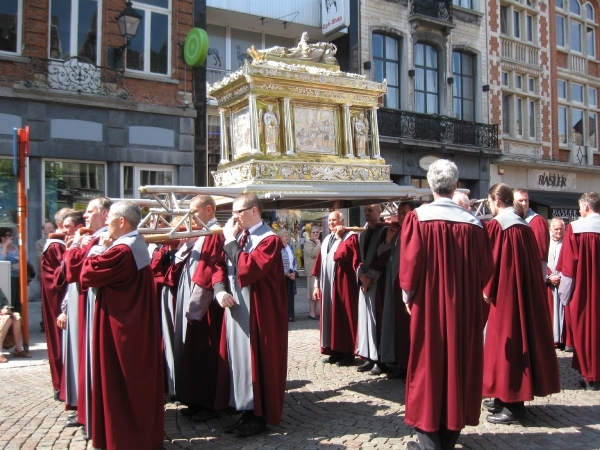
x: 195, y: 49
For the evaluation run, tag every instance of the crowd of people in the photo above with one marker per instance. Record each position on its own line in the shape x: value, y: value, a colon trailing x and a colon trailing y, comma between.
x: 464, y: 311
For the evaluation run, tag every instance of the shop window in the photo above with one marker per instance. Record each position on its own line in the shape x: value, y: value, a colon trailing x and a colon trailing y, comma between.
x: 8, y: 194
x: 136, y: 176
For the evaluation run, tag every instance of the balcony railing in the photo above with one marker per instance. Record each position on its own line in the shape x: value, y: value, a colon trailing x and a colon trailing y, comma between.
x: 578, y: 64
x: 438, y: 9
x: 520, y: 52
x: 76, y: 75
x: 445, y: 130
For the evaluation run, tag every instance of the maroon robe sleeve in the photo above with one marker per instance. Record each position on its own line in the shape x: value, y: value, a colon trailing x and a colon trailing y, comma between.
x: 494, y: 230
x: 211, y: 266
x: 542, y: 236
x: 569, y: 254
x: 316, y: 272
x: 159, y: 264
x: 114, y: 266
x: 348, y: 251
x: 53, y: 271
x: 74, y: 258
x: 253, y: 266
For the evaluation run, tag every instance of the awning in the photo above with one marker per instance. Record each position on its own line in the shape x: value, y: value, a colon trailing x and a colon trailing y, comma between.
x: 555, y: 199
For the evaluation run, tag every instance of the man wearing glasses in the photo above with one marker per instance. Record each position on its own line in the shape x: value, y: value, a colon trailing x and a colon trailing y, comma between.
x: 256, y: 318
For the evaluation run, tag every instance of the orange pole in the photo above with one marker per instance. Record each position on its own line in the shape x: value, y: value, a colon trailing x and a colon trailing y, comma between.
x: 22, y: 208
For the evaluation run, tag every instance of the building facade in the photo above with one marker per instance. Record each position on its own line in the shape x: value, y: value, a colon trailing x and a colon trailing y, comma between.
x: 95, y: 130
x: 545, y: 67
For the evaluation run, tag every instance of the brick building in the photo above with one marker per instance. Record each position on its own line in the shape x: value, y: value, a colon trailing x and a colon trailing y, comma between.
x: 94, y: 130
x: 434, y: 57
x: 545, y: 71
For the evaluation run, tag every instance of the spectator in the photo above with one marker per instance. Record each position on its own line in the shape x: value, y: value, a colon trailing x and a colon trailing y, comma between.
x: 290, y: 270
x: 312, y: 247
x: 10, y: 252
x: 10, y: 331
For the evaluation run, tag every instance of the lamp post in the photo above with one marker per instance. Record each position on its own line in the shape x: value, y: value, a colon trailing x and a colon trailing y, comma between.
x: 128, y: 21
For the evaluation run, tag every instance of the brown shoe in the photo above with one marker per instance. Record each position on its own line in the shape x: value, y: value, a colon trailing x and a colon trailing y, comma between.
x: 21, y: 354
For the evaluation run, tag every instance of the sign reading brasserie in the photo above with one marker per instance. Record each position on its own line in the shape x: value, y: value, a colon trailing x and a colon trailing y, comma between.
x: 551, y: 180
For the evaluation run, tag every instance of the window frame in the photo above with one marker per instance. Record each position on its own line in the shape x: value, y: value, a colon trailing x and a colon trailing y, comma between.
x: 137, y: 169
x: 19, y: 43
x: 426, y: 69
x: 459, y: 78
x: 147, y: 24
x: 566, y: 20
x: 73, y: 43
x: 566, y: 110
x: 385, y: 60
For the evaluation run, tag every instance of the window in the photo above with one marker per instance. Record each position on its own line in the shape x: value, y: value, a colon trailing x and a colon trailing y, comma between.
x: 8, y: 193
x: 506, y: 114
x: 463, y: 3
x: 531, y: 119
x: 71, y: 184
x: 562, y: 125
x: 592, y: 101
x: 516, y: 24
x: 426, y: 79
x: 135, y: 176
x: 518, y: 81
x: 386, y: 59
x: 592, y: 131
x: 150, y: 49
x: 74, y: 26
x: 559, y: 4
x: 519, y: 117
x: 532, y: 85
x: 560, y: 31
x: 503, y: 20
x: 577, y: 93
x: 463, y: 89
x: 504, y: 78
x: 10, y: 26
x: 575, y: 29
x: 562, y: 89
x: 529, y: 28
x: 577, y: 124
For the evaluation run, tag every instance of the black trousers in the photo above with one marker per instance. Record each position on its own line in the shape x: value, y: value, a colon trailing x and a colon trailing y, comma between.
x: 443, y: 439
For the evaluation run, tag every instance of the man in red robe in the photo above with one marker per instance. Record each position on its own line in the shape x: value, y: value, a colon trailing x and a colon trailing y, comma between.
x: 95, y: 220
x: 256, y: 318
x: 520, y: 361
x: 336, y: 287
x: 54, y: 287
x: 579, y: 289
x: 538, y: 225
x: 445, y: 260
x: 199, y: 265
x: 127, y: 381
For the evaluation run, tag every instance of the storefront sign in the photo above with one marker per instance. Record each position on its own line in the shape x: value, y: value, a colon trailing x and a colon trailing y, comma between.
x: 426, y: 161
x: 551, y: 180
x: 564, y: 212
x: 335, y: 15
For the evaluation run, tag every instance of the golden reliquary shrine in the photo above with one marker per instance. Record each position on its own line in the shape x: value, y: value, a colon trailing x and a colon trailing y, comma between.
x: 296, y: 119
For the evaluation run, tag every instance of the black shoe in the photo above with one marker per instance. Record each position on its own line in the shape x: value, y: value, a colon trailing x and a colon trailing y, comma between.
x: 204, y: 415
x: 493, y: 405
x: 73, y: 423
x: 395, y: 374
x: 313, y: 317
x: 366, y: 366
x: 347, y: 360
x: 412, y: 445
x: 251, y: 426
x: 333, y: 358
x: 190, y: 410
x: 378, y: 369
x: 589, y: 386
x: 504, y: 417
x: 57, y: 396
x: 232, y: 427
x: 568, y: 349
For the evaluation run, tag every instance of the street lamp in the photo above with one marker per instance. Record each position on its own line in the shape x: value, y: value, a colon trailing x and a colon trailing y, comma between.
x: 128, y: 21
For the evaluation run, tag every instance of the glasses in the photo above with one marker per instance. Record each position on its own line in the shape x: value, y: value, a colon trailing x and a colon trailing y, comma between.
x: 237, y: 212
x: 315, y: 232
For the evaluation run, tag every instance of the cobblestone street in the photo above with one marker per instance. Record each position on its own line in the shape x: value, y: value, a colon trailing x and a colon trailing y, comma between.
x: 325, y: 406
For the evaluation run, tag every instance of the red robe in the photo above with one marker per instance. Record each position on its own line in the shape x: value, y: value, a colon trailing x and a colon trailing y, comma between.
x: 262, y: 269
x: 127, y: 386
x: 344, y: 308
x: 203, y: 370
x: 520, y: 361
x: 74, y: 258
x: 580, y: 259
x: 446, y: 264
x: 54, y: 288
x: 540, y: 229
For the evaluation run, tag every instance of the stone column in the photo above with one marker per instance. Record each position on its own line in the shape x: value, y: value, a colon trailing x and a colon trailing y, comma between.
x: 288, y: 128
x: 375, y: 133
x: 348, y: 132
x: 254, y: 135
x: 223, y: 113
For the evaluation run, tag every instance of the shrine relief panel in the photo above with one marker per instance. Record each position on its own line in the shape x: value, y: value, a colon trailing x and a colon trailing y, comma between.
x: 241, y: 133
x: 315, y: 130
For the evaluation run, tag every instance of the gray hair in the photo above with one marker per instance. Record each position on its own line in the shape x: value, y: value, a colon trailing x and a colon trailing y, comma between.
x: 127, y: 209
x: 442, y: 176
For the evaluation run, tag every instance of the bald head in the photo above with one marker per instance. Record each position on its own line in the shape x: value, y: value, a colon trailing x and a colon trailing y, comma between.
x: 462, y: 200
